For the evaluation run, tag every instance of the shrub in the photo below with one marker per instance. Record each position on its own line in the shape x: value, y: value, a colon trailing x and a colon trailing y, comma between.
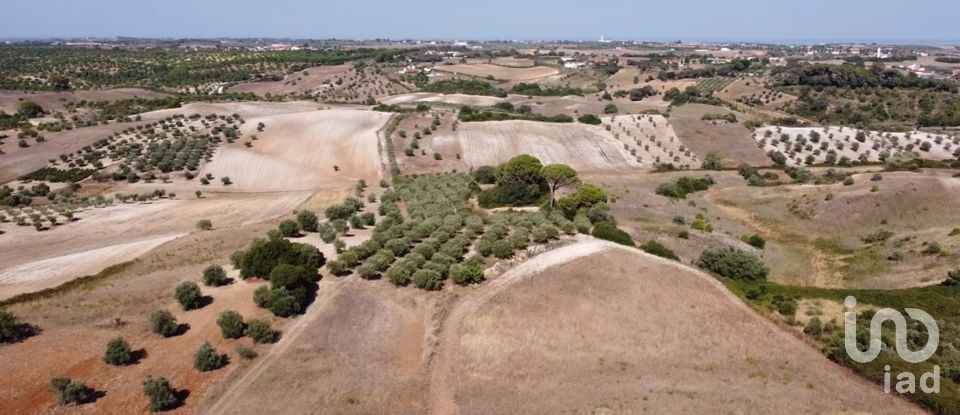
x: 733, y: 263
x: 289, y: 228
x: 163, y: 323
x: 245, y: 352
x: 848, y: 181
x: 953, y: 278
x: 589, y: 119
x: 502, y: 249
x: 11, y: 330
x: 207, y: 358
x: 262, y: 296
x: 204, y: 224
x: 684, y: 186
x: 231, y: 324
x: 188, y: 295
x: 307, y: 220
x: 712, y: 161
x: 118, y: 352
x: 610, y: 232
x: 426, y: 279
x: 658, y: 249
x: 214, y: 276
x: 283, y: 303
x: 161, y: 395
x: 814, y: 327
x: 337, y: 267
x: 933, y: 248
x: 70, y: 391
x: 485, y: 175
x: 260, y: 331
x: 368, y: 218
x: 754, y: 240
x: 464, y: 274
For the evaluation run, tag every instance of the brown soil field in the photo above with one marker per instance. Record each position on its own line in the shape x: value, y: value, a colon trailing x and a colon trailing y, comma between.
x: 54, y: 101
x: 299, y: 151
x: 368, y: 347
x: 453, y: 99
x: 583, y: 147
x: 507, y: 73
x: 733, y: 141
x: 540, y: 339
x: 297, y: 82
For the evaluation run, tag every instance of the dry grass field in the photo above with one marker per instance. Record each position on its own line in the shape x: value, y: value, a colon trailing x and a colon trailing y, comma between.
x: 55, y: 101
x: 452, y: 99
x: 733, y: 141
x: 507, y: 73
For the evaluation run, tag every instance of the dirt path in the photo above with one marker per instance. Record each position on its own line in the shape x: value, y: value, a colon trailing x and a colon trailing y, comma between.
x: 289, y: 336
x: 442, y: 399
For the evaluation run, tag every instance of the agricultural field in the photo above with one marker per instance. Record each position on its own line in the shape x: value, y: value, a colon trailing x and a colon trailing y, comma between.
x: 505, y: 73
x: 233, y: 226
x: 797, y: 146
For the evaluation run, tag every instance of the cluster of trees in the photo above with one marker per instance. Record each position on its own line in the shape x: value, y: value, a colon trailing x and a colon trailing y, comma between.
x: 851, y: 76
x: 464, y: 86
x: 470, y: 114
x: 290, y: 267
x: 690, y: 94
x: 520, y: 182
x: 680, y: 188
x: 733, y: 263
x: 534, y: 89
x: 735, y: 67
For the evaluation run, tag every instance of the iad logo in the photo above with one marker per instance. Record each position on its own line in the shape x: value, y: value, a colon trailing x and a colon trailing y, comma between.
x: 906, y: 381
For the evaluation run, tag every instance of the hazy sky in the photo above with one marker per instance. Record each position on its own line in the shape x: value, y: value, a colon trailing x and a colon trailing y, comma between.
x: 823, y: 20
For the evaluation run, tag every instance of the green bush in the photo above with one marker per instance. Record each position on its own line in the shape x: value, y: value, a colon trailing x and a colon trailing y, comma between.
x: 11, y: 330
x: 307, y: 220
x: 610, y: 232
x: 188, y: 295
x: 231, y: 324
x: 289, y: 228
x: 163, y: 323
x: 161, y: 395
x: 814, y: 327
x: 932, y: 248
x: 70, y: 391
x: 207, y: 358
x: 427, y: 279
x: 204, y: 224
x: 464, y: 274
x: 754, y: 240
x: 214, y: 276
x: 118, y: 352
x: 683, y: 186
x: 658, y: 249
x: 337, y: 267
x: 485, y: 175
x: 733, y: 263
x: 589, y: 119
x: 260, y: 331
x: 502, y: 249
x: 245, y: 352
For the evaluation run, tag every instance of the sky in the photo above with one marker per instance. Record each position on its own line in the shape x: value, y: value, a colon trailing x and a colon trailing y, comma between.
x: 935, y: 21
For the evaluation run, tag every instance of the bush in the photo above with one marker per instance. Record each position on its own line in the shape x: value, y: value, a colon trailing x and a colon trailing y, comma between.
x: 733, y: 263
x: 610, y: 232
x: 953, y: 278
x: 207, y: 358
x: 204, y: 224
x: 245, y: 352
x: 485, y: 175
x: 658, y: 249
x: 118, y: 352
x: 684, y: 186
x: 464, y: 274
x: 11, y: 330
x: 214, y: 276
x: 289, y: 228
x: 712, y: 161
x: 502, y: 249
x: 307, y: 220
x: 427, y: 279
x: 70, y: 391
x: 814, y: 327
x: 589, y: 119
x: 261, y: 332
x: 161, y: 395
x: 933, y: 248
x: 754, y: 240
x: 163, y: 323
x: 283, y: 303
x: 231, y: 324
x: 188, y: 295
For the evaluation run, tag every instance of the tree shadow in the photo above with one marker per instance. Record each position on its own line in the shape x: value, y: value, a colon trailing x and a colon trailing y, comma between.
x: 137, y: 356
x: 182, y: 395
x: 93, y: 395
x: 24, y: 331
x: 204, y: 301
x: 182, y: 329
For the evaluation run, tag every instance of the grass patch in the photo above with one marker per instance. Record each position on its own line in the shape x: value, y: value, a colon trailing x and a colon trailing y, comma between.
x: 85, y: 283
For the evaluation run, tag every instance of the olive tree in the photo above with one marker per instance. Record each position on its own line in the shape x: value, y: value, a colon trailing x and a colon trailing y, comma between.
x: 559, y: 176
